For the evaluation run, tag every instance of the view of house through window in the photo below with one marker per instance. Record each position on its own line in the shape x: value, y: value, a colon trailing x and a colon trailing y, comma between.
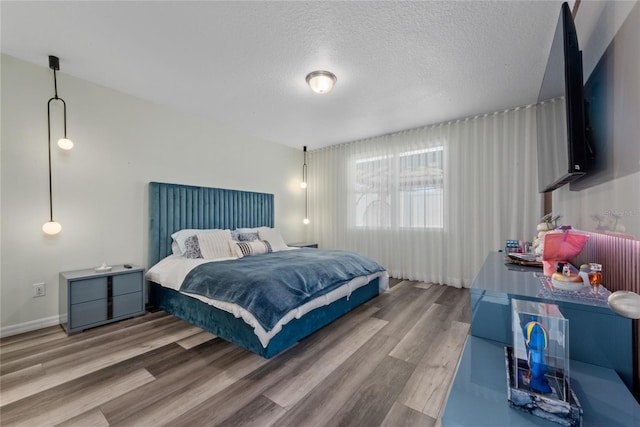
x: 403, y: 190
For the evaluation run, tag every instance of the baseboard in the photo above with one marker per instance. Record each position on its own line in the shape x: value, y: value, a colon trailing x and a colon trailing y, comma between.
x: 32, y: 325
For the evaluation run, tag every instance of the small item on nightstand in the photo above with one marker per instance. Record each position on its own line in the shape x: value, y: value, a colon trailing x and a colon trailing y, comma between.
x: 584, y: 273
x: 127, y: 266
x: 103, y: 267
x: 514, y: 246
x: 570, y: 282
x: 595, y: 276
x: 528, y: 247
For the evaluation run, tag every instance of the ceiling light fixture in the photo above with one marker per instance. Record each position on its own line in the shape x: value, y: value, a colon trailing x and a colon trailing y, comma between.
x: 54, y: 227
x: 321, y: 81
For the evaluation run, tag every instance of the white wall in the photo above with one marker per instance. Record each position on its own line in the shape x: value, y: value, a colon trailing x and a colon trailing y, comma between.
x: 100, y: 193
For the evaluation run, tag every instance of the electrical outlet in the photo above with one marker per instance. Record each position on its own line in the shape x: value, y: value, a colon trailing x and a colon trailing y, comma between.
x: 38, y: 290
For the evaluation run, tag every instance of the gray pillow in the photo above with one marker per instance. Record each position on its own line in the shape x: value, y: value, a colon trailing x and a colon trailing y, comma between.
x: 247, y: 237
x: 192, y: 247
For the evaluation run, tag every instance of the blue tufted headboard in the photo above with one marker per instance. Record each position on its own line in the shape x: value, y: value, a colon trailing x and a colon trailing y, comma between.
x: 173, y: 207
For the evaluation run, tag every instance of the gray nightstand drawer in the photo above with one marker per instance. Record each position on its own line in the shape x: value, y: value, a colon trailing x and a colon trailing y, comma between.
x: 127, y: 283
x: 88, y: 290
x: 88, y: 313
x: 127, y: 304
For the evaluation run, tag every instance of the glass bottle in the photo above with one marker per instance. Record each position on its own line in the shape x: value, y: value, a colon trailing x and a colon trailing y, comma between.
x: 595, y: 277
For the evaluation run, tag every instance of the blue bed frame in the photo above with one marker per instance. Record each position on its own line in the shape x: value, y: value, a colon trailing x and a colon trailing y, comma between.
x: 173, y: 207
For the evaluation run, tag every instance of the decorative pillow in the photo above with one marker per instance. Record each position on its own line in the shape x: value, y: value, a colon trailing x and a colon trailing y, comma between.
x: 192, y: 247
x: 215, y: 244
x: 247, y: 230
x: 234, y: 235
x: 180, y: 236
x: 255, y: 247
x: 175, y: 249
x: 247, y: 237
x: 274, y: 237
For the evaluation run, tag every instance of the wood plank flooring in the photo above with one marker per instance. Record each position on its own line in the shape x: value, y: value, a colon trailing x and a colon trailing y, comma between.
x: 390, y: 362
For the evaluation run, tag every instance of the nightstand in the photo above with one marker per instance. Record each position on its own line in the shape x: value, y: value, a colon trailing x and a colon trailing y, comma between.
x: 303, y: 245
x: 93, y: 298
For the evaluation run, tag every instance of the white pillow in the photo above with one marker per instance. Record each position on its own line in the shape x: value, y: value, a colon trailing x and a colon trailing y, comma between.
x: 273, y: 236
x: 254, y: 247
x: 214, y: 244
x: 177, y: 247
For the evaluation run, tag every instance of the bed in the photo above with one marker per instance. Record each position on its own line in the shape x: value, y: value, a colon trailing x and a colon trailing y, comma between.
x: 174, y: 207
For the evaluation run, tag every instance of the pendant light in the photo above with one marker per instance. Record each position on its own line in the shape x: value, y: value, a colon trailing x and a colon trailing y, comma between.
x: 54, y: 227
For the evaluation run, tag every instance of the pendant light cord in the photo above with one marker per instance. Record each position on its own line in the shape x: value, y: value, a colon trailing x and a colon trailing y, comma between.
x: 49, y: 148
x: 55, y: 84
x: 306, y: 189
x: 54, y: 66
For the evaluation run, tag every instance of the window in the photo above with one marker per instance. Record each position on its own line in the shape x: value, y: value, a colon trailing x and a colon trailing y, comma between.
x: 402, y: 190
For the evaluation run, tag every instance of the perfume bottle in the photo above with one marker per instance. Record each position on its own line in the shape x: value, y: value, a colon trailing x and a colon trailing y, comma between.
x: 595, y: 277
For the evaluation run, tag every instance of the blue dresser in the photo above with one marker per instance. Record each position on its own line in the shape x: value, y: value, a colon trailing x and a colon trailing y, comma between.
x: 478, y: 395
x: 600, y: 346
x: 596, y: 334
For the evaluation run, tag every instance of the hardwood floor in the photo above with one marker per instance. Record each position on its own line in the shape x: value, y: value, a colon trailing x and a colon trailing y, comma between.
x: 388, y: 363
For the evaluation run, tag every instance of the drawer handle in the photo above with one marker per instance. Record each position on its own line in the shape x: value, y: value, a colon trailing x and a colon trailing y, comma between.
x: 110, y: 297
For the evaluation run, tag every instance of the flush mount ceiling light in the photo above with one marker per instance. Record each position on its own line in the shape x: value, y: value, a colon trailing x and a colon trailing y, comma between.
x: 321, y: 81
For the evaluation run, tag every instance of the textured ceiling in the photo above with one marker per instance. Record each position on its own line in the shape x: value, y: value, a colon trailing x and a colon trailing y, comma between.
x: 243, y: 64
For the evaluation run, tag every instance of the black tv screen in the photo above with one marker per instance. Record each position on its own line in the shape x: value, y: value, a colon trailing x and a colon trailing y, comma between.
x: 562, y: 151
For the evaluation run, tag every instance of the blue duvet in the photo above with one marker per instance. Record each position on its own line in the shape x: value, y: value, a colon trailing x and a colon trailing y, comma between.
x: 271, y: 285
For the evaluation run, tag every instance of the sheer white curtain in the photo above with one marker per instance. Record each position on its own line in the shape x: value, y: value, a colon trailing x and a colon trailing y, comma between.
x: 429, y: 204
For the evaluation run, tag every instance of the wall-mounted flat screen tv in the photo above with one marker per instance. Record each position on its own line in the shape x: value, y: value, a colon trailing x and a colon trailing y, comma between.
x: 562, y: 146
